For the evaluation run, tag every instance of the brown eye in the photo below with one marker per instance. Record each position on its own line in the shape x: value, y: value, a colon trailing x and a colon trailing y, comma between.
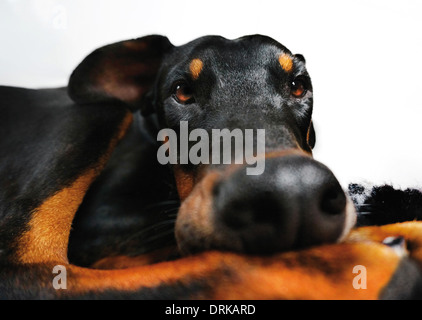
x: 298, y: 88
x: 183, y: 93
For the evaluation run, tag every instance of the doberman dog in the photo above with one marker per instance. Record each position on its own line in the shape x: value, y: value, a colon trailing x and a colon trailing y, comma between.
x: 91, y: 149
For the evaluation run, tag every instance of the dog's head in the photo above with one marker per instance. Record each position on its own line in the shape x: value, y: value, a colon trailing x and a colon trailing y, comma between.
x: 252, y: 89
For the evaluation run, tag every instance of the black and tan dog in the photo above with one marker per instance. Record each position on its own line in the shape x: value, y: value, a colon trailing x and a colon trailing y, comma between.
x: 90, y: 150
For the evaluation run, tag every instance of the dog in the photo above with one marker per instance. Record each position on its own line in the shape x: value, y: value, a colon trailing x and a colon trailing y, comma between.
x: 81, y: 188
x: 201, y: 89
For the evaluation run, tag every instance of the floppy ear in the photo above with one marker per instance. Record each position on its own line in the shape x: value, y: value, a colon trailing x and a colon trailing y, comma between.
x: 122, y: 71
x: 300, y: 57
x: 311, y: 138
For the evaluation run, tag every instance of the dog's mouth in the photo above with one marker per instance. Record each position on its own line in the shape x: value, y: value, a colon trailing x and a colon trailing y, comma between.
x: 296, y: 203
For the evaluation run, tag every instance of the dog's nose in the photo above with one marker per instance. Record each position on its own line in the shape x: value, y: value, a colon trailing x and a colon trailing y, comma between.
x: 297, y: 202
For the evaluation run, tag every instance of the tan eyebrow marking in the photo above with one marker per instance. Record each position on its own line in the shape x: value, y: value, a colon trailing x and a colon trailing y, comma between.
x: 286, y: 62
x: 195, y: 68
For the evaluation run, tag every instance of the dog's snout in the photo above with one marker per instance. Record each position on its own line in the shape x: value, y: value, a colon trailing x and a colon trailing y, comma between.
x: 333, y: 200
x: 296, y: 202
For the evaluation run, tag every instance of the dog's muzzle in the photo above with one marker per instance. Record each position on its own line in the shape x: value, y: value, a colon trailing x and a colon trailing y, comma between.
x: 296, y: 203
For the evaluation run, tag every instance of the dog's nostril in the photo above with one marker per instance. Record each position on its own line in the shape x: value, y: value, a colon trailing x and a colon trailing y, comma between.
x: 244, y: 213
x: 333, y: 200
x: 267, y: 208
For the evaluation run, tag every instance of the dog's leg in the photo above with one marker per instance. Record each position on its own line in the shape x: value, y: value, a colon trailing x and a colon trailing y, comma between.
x: 46, y: 239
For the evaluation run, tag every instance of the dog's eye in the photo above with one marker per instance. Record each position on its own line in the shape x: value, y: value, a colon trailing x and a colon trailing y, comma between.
x: 183, y: 93
x: 298, y: 87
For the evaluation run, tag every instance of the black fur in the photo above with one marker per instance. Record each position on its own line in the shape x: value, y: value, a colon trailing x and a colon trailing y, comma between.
x: 47, y: 140
x: 380, y: 205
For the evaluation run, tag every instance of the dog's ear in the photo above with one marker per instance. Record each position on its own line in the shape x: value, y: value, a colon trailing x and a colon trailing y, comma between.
x: 311, y: 137
x: 300, y: 57
x: 123, y: 71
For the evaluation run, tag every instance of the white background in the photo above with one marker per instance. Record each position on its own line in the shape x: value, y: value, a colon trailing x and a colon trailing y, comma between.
x: 364, y: 58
